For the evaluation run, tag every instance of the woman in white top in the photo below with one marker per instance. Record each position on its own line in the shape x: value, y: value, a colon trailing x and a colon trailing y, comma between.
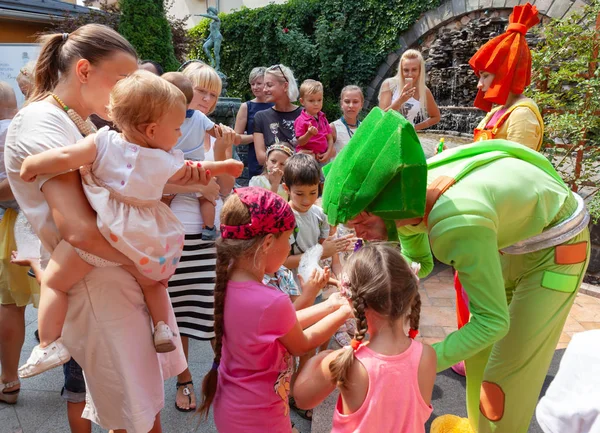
x: 192, y: 287
x: 351, y: 101
x: 408, y: 94
x: 107, y: 328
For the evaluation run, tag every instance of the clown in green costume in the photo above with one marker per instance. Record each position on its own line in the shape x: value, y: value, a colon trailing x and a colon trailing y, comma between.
x: 465, y: 206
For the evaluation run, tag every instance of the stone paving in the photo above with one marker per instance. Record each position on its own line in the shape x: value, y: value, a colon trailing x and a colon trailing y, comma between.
x: 41, y: 410
x: 438, y: 316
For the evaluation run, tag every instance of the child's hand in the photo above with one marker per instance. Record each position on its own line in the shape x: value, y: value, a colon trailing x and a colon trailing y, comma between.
x: 26, y: 173
x: 318, y: 280
x: 336, y: 301
x: 20, y: 262
x: 332, y: 245
x: 312, y: 130
x: 226, y: 137
x: 275, y: 176
x: 324, y: 157
x: 238, y: 139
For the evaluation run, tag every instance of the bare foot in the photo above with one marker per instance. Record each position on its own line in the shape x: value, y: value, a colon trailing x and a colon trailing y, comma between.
x: 232, y: 167
x: 185, y: 400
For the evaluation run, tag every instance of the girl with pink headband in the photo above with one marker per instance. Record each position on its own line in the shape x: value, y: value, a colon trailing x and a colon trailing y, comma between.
x: 257, y: 328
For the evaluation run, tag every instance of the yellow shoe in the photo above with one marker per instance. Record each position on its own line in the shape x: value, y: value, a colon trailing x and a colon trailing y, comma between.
x: 451, y: 424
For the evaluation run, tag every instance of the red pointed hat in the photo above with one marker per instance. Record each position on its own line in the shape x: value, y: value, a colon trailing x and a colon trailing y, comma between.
x: 508, y: 57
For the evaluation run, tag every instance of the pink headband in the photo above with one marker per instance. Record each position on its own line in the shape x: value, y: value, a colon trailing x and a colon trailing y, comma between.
x: 269, y: 213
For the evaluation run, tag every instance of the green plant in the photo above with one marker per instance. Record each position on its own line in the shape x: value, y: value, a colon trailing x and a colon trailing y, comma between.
x: 594, y: 208
x: 337, y: 42
x: 145, y: 25
x: 110, y: 15
x: 565, y: 66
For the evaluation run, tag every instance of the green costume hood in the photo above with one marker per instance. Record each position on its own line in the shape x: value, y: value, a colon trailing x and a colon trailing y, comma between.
x: 382, y: 170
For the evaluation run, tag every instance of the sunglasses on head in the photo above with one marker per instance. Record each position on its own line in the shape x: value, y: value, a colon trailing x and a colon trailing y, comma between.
x: 280, y: 70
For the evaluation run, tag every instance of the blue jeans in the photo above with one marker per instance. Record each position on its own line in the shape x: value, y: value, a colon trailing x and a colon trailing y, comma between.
x: 74, y: 388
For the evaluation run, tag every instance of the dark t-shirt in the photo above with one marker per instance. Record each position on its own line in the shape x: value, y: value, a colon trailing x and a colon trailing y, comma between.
x: 277, y: 126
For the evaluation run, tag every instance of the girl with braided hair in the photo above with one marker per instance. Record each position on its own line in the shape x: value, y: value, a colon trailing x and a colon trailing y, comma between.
x: 257, y: 329
x: 389, y: 388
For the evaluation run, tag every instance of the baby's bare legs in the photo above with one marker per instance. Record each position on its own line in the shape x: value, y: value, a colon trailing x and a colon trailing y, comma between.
x: 64, y: 270
x: 155, y: 295
x: 158, y: 301
x: 232, y: 167
x: 207, y: 210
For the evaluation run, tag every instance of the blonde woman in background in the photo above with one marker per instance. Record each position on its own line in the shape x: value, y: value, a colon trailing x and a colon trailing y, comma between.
x: 25, y: 79
x: 275, y: 125
x: 408, y: 94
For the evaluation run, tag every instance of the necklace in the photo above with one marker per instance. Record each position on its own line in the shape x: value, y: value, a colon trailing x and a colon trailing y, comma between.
x: 85, y: 127
x: 350, y: 133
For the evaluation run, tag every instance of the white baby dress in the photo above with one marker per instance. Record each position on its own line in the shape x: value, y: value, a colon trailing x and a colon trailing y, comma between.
x: 124, y: 186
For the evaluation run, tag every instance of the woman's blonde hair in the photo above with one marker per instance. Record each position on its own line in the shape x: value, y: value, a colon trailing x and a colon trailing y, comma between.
x: 234, y: 213
x: 205, y: 77
x: 8, y: 101
x: 398, y: 82
x: 93, y: 42
x: 389, y: 288
x: 142, y: 98
x: 285, y: 75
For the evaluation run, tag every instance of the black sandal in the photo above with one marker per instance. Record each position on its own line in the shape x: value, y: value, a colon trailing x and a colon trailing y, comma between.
x: 188, y: 394
x: 304, y: 413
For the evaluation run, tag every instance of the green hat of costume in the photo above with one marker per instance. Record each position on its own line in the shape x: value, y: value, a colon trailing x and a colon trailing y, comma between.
x: 382, y: 170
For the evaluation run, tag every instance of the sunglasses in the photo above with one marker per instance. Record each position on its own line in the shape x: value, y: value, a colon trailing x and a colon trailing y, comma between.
x: 280, y: 70
x: 188, y: 62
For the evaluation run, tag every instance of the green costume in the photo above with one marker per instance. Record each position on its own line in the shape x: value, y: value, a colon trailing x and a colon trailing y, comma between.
x: 503, y: 194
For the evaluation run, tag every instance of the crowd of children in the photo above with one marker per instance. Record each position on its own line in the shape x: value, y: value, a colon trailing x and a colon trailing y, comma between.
x: 270, y: 319
x: 264, y: 337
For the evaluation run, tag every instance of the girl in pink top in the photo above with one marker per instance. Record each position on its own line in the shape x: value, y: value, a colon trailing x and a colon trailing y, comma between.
x: 389, y: 388
x: 257, y: 328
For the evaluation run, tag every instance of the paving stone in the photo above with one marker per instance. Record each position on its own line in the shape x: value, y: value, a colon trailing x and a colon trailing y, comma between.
x: 9, y: 422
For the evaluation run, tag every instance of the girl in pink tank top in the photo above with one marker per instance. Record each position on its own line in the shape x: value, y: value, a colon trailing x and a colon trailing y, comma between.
x: 389, y: 388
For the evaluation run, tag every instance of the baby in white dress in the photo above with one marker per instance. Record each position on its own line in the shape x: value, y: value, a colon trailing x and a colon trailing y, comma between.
x: 123, y: 177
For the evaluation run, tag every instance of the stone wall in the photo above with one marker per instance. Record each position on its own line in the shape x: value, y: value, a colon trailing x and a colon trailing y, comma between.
x: 447, y: 51
x: 451, y: 12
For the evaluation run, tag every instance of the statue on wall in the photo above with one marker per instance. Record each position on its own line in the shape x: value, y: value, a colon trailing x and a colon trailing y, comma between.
x: 214, y: 39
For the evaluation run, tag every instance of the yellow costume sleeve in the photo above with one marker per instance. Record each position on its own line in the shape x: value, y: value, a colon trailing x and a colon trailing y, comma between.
x: 523, y: 127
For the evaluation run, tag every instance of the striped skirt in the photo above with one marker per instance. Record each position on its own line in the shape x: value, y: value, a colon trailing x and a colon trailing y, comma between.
x: 192, y: 288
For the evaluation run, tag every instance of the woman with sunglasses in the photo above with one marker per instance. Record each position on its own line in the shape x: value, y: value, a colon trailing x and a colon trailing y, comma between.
x: 275, y: 125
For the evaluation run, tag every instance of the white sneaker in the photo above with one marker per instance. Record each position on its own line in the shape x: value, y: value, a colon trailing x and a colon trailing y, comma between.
x: 164, y: 339
x: 43, y: 359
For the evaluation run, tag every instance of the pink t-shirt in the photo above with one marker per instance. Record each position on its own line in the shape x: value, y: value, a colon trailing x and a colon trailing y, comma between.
x: 255, y: 369
x: 393, y: 402
x: 317, y: 143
